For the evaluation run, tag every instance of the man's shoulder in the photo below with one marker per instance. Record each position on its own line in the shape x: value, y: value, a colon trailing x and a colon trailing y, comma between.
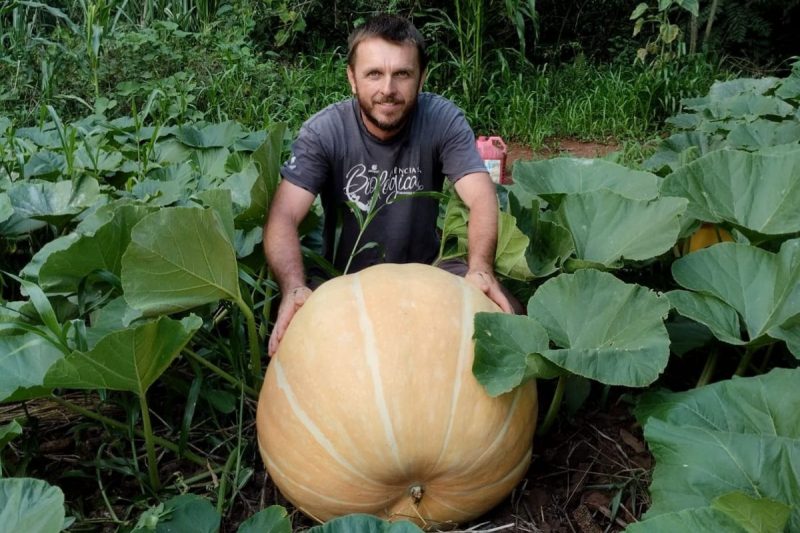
x: 330, y: 117
x: 432, y: 102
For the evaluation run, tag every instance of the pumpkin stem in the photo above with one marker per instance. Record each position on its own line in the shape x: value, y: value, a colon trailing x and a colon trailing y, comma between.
x: 416, y: 492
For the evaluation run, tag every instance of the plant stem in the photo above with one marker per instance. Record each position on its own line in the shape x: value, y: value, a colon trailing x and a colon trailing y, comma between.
x: 250, y: 391
x: 765, y: 363
x: 148, y: 443
x: 708, y: 369
x: 555, y: 406
x: 164, y: 443
x: 223, y: 480
x: 252, y: 338
x: 744, y: 362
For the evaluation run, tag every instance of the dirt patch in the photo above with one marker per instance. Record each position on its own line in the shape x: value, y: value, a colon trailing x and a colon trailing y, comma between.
x: 590, y: 473
x: 557, y: 147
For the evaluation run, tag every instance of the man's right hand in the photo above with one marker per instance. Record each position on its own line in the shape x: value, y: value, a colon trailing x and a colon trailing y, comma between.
x: 290, y: 303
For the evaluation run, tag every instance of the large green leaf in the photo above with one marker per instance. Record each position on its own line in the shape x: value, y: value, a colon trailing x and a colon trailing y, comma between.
x: 6, y: 209
x: 507, y: 349
x: 221, y: 135
x: 24, y: 361
x: 759, y: 191
x: 725, y: 89
x: 762, y: 287
x: 63, y: 270
x: 273, y: 519
x: 606, y: 330
x: 44, y: 164
x: 550, y: 243
x: 716, y: 315
x: 268, y: 158
x: 607, y: 227
x: 512, y: 244
x: 361, y: 523
x: 31, y: 505
x: 748, y: 106
x: 763, y: 133
x: 37, y: 203
x: 184, y: 513
x: 130, y: 360
x: 738, y: 435
x: 732, y: 513
x: 679, y: 150
x: 179, y: 258
x: 564, y: 175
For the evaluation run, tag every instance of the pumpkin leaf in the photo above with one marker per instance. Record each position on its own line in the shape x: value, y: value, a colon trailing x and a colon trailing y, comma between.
x: 680, y: 149
x: 9, y: 432
x: 717, y: 316
x: 720, y: 187
x: 179, y: 258
x: 64, y: 269
x: 733, y: 513
x: 24, y: 361
x: 37, y: 203
x: 273, y: 519
x: 550, y: 243
x: 361, y: 523
x: 605, y: 329
x: 607, y: 227
x: 748, y: 106
x: 187, y: 512
x: 761, y: 286
x: 507, y: 351
x: 755, y: 515
x: 129, y: 360
x: 553, y: 178
x: 738, y: 435
x: 510, y: 251
x: 220, y: 135
x: 6, y: 209
x: 763, y: 133
x: 31, y: 505
x: 268, y: 158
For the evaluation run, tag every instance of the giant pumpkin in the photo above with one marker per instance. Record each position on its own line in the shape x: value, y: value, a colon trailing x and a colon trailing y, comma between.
x: 370, y: 404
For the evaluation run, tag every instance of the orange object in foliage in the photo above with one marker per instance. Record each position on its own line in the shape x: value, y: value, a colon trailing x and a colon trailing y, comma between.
x: 707, y: 235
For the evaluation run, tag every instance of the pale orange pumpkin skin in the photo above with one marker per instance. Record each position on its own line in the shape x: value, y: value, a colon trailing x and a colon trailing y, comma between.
x: 707, y: 235
x: 371, y: 403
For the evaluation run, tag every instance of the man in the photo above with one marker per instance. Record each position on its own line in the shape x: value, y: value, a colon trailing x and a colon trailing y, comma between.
x: 390, y: 140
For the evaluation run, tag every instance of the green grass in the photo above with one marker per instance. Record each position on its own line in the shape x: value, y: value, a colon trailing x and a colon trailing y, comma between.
x: 215, y: 73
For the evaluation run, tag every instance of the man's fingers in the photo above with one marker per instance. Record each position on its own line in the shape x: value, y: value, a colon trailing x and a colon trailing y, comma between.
x: 500, y: 299
x: 289, y: 306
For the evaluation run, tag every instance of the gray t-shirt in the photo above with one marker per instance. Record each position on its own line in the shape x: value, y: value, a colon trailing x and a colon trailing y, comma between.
x: 336, y: 157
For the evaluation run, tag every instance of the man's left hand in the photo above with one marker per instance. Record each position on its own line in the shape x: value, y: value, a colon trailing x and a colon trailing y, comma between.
x: 488, y: 284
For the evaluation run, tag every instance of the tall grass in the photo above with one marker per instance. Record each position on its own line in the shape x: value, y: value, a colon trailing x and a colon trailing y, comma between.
x: 218, y: 75
x: 584, y: 100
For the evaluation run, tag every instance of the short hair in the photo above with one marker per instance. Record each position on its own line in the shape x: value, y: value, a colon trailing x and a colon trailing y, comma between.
x: 392, y: 28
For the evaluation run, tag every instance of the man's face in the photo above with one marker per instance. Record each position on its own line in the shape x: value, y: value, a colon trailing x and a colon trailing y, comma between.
x: 386, y: 79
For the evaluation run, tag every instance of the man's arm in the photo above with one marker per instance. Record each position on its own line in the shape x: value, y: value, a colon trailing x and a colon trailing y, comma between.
x: 282, y: 249
x: 478, y: 193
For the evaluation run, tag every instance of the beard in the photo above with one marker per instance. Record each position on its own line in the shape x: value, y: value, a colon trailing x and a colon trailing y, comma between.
x: 390, y: 124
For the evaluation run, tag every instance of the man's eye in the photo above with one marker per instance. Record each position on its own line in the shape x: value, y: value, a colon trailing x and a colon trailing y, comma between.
x: 403, y: 74
x: 373, y: 75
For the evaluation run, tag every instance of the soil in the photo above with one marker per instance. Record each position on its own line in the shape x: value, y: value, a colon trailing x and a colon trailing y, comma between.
x: 555, y: 148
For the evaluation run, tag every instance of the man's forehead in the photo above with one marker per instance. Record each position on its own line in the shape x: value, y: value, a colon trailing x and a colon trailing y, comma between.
x: 376, y: 51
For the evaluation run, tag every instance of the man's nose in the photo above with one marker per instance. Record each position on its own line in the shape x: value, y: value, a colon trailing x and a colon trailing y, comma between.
x: 388, y: 86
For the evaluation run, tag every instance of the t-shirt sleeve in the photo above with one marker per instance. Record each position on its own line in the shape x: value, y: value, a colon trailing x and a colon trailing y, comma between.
x: 459, y: 154
x: 308, y: 165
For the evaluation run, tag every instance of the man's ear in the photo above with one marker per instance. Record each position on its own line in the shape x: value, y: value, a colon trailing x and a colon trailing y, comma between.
x: 351, y: 77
